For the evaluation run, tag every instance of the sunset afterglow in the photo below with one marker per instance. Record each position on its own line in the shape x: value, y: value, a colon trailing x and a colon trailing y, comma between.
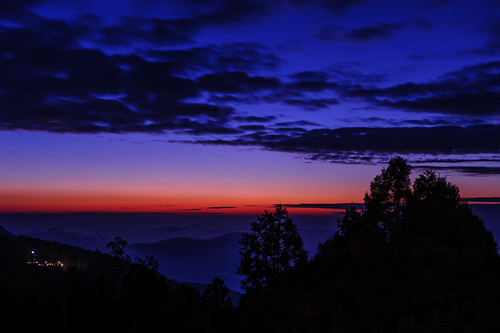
x: 116, y: 106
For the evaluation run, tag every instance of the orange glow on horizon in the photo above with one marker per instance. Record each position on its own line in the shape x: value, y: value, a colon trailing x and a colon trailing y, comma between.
x: 64, y: 202
x: 210, y: 197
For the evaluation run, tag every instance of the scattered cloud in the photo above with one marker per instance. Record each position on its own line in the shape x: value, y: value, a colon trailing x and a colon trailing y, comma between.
x: 495, y: 200
x: 254, y: 119
x: 236, y: 82
x: 217, y: 57
x: 470, y: 91
x: 472, y: 170
x: 492, y: 45
x: 222, y: 207
x: 325, y: 205
x: 378, y: 31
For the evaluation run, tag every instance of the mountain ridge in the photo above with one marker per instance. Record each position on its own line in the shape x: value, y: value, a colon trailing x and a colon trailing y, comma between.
x: 196, y: 260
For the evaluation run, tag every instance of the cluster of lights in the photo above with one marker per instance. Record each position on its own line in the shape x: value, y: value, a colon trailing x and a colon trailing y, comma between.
x: 44, y: 263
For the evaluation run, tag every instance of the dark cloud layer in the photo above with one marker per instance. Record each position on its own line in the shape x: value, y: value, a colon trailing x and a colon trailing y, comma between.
x: 56, y: 88
x: 381, y: 30
x: 149, y: 74
x: 50, y: 82
x: 472, y: 170
x: 375, y: 32
x: 471, y: 91
x: 372, y: 145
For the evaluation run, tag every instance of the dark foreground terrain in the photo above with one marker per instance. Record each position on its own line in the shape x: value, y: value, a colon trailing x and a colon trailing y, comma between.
x: 414, y: 259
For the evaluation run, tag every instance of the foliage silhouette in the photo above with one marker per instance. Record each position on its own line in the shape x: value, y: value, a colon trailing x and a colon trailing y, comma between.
x: 215, y: 294
x: 117, y: 248
x: 270, y: 250
x: 388, y: 194
x: 416, y: 259
x: 150, y: 262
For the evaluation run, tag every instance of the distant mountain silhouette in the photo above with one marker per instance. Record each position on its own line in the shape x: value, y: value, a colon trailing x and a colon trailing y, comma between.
x: 195, y: 260
x: 5, y: 232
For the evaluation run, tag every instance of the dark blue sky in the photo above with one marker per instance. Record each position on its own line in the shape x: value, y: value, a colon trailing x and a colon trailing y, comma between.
x: 261, y: 92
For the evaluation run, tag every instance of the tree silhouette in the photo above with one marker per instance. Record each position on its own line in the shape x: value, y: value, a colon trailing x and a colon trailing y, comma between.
x: 388, y: 194
x: 416, y: 259
x: 215, y: 294
x: 117, y: 248
x: 149, y: 261
x: 272, y: 248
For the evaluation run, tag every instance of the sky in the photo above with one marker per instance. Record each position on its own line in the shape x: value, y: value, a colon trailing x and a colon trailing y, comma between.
x: 230, y: 106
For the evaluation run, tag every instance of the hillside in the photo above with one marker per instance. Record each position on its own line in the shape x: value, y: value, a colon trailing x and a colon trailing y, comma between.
x: 56, y: 286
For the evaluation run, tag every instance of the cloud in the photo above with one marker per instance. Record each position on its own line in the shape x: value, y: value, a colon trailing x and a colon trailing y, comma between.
x: 312, y: 81
x: 60, y: 76
x: 433, y: 121
x: 377, y: 31
x: 492, y: 45
x: 325, y: 205
x: 455, y: 160
x: 443, y: 121
x: 340, y: 6
x: 146, y: 27
x: 471, y: 91
x: 303, y: 123
x: 254, y: 119
x: 252, y: 127
x: 48, y: 84
x: 62, y: 89
x: 437, y: 139
x: 150, y: 73
x: 477, y: 166
x: 473, y: 170
x: 361, y: 145
x: 477, y: 103
x: 148, y: 31
x: 495, y: 200
x: 236, y: 82
x: 312, y: 103
x: 222, y: 57
x: 222, y: 207
x: 330, y: 33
